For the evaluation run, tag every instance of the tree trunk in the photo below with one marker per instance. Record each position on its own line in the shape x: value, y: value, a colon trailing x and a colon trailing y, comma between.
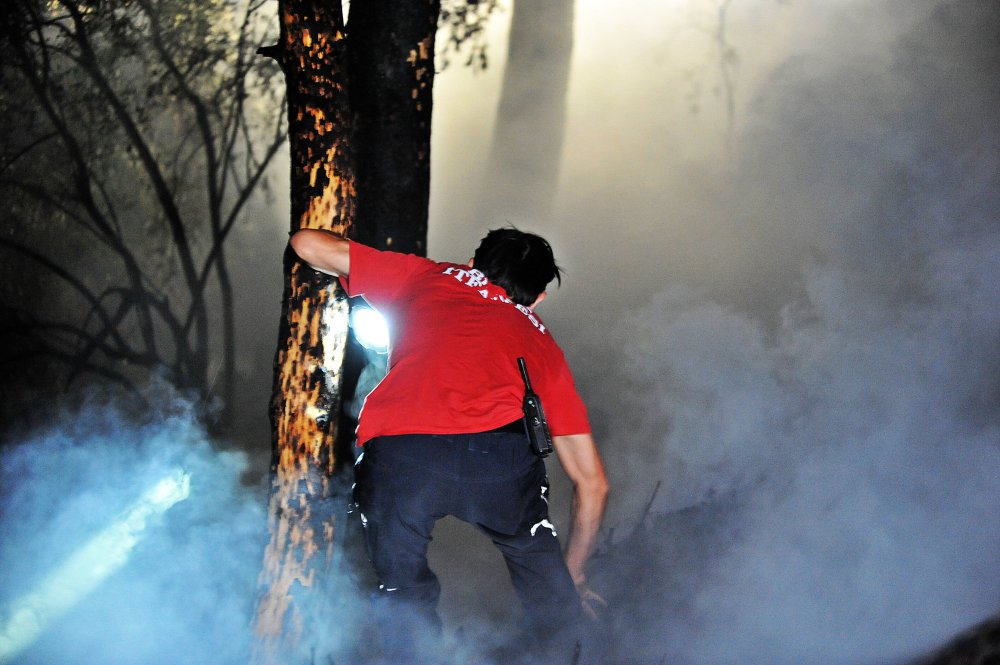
x: 312, y: 335
x: 392, y: 77
x: 226, y: 380
x: 523, y: 167
x: 357, y: 105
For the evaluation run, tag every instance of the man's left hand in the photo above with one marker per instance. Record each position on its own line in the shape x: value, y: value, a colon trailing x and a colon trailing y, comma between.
x: 591, y: 602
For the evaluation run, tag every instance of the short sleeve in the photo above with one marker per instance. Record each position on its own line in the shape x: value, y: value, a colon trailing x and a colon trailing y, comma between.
x: 567, y: 413
x: 378, y: 275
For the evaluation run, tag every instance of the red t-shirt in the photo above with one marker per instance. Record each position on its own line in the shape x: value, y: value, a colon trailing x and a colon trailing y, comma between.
x: 455, y: 340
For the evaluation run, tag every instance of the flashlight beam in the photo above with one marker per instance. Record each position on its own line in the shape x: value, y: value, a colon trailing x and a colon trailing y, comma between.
x: 28, y: 617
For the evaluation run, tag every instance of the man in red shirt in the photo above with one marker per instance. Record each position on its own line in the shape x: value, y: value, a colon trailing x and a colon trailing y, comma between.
x: 443, y: 431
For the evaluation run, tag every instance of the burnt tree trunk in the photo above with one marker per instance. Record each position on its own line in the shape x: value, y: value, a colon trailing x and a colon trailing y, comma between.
x: 392, y: 76
x: 359, y: 107
x: 312, y: 333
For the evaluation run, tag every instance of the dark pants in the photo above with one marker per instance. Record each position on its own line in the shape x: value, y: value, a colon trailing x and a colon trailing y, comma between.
x: 490, y: 480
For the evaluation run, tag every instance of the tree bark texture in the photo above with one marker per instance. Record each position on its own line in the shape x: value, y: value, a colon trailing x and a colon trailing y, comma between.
x: 523, y: 167
x: 392, y: 77
x: 359, y: 104
x: 312, y: 336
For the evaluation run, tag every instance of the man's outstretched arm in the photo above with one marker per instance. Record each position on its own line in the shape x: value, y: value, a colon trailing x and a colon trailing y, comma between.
x: 323, y: 251
x: 582, y: 463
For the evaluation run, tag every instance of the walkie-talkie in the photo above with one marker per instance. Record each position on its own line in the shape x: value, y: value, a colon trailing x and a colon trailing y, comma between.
x: 534, y: 416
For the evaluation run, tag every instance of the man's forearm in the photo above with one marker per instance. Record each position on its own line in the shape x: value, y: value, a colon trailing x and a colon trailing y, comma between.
x: 582, y: 463
x: 587, y: 511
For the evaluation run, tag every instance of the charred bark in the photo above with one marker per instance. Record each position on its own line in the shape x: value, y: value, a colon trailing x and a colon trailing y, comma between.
x: 359, y: 110
x: 392, y: 76
x: 312, y: 335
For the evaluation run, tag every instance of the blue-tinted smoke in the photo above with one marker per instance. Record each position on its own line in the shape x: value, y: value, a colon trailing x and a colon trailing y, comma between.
x: 185, y: 593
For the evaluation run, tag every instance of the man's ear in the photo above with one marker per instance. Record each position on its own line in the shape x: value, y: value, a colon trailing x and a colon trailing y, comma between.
x: 539, y: 299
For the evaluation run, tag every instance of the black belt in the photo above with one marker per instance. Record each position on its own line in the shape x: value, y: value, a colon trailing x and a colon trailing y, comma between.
x: 516, y: 427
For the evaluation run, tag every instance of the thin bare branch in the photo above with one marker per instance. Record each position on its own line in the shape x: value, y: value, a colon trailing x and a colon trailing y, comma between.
x: 83, y: 181
x: 76, y: 283
x: 200, y: 111
x: 149, y: 163
x: 275, y: 145
x: 98, y: 228
x: 726, y: 59
x: 46, y: 349
x: 10, y: 161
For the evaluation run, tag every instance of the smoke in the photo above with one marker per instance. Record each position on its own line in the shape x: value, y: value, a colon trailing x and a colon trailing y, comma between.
x: 185, y: 591
x: 98, y: 565
x: 864, y: 479
x: 829, y: 443
x: 789, y: 318
x: 795, y: 331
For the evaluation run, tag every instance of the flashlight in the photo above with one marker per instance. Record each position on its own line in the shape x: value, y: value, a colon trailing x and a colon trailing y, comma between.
x: 370, y: 329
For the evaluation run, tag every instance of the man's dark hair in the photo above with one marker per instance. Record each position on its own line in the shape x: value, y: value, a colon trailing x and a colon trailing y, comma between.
x: 522, y: 263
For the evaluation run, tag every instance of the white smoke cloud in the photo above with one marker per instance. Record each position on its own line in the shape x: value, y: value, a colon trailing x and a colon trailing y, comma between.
x: 842, y: 418
x: 867, y: 487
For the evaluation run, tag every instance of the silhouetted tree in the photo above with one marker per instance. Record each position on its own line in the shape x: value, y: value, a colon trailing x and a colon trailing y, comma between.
x: 134, y: 134
x: 523, y: 166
